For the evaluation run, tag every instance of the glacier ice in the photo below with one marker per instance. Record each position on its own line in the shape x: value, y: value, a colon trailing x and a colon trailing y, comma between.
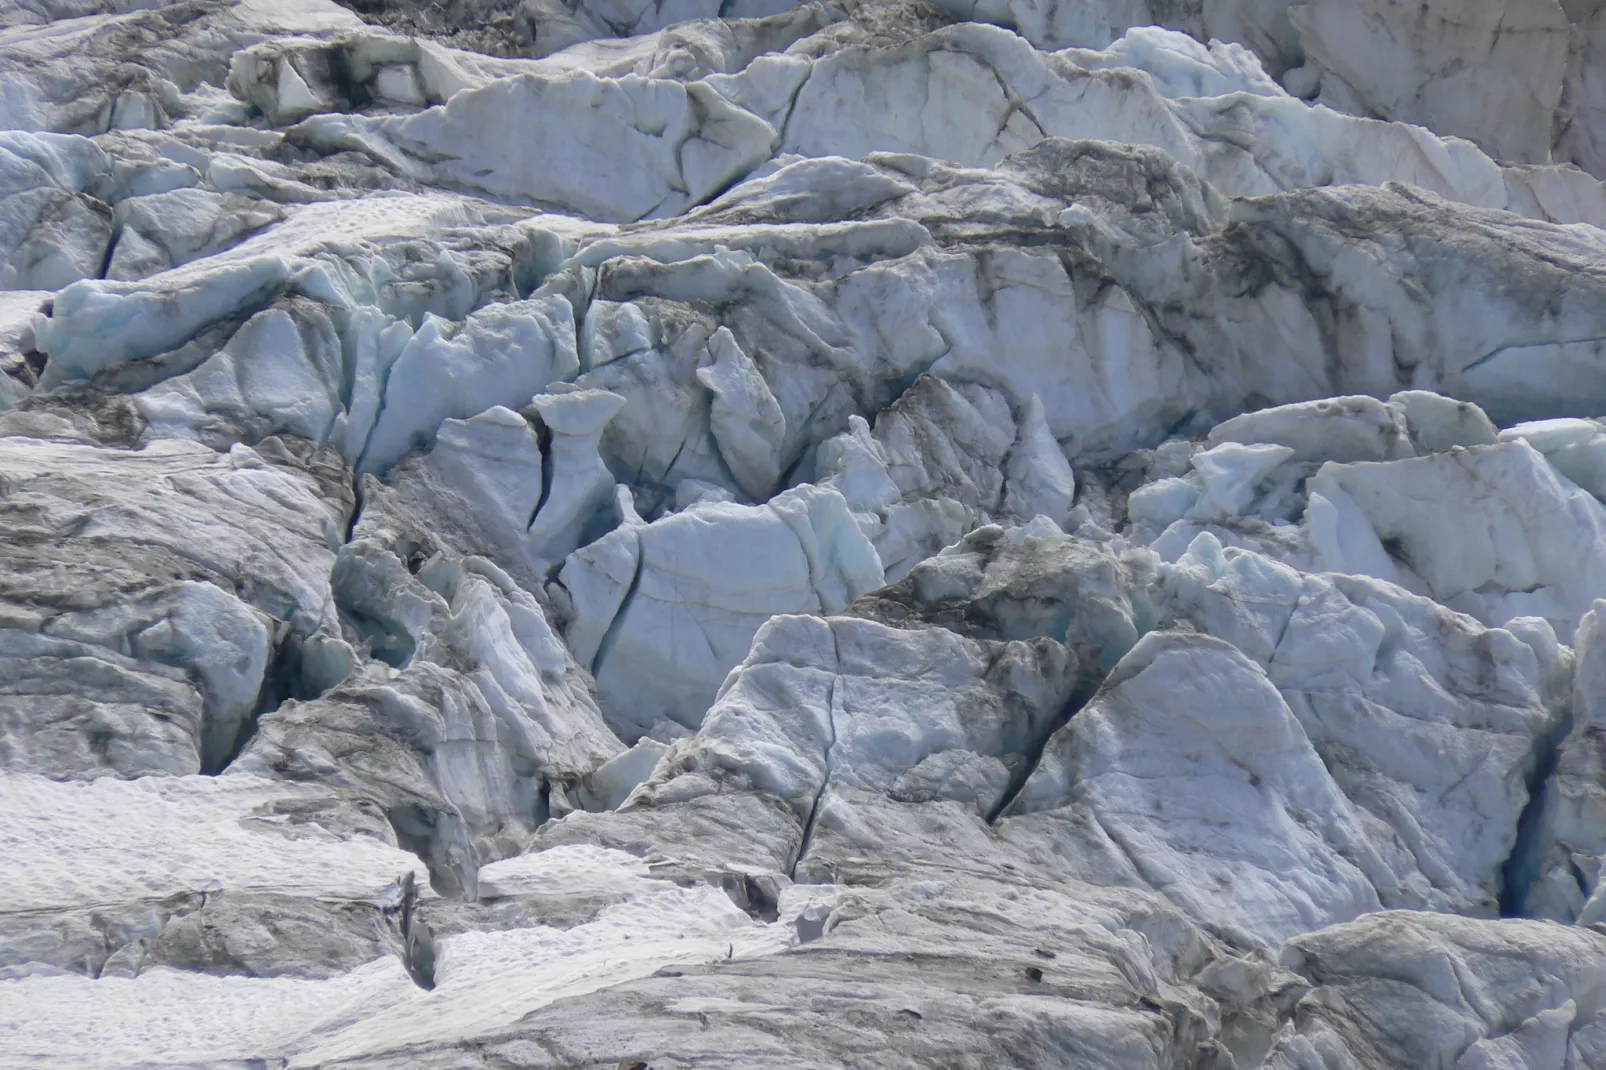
x: 661, y: 612
x: 860, y: 533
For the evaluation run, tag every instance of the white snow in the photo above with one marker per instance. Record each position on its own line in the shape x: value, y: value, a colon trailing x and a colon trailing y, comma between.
x: 484, y: 981
x: 167, y: 1017
x: 107, y: 841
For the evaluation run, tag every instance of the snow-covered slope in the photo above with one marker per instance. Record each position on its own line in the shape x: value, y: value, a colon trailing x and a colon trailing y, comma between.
x: 873, y: 533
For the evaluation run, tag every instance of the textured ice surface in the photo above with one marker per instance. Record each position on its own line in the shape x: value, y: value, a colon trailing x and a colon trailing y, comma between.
x: 876, y: 533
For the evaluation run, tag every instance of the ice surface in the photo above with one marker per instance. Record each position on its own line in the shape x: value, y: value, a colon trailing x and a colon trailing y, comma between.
x: 1558, y: 872
x: 145, y: 597
x: 1399, y: 70
x: 873, y: 533
x: 682, y: 142
x: 1299, y: 864
x: 664, y: 611
x: 1520, y: 544
x: 1531, y: 998
x: 472, y: 711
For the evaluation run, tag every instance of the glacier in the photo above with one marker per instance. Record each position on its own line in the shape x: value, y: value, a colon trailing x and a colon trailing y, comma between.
x: 547, y: 535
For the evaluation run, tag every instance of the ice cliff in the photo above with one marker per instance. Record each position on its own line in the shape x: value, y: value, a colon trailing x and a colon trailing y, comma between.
x: 622, y: 535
